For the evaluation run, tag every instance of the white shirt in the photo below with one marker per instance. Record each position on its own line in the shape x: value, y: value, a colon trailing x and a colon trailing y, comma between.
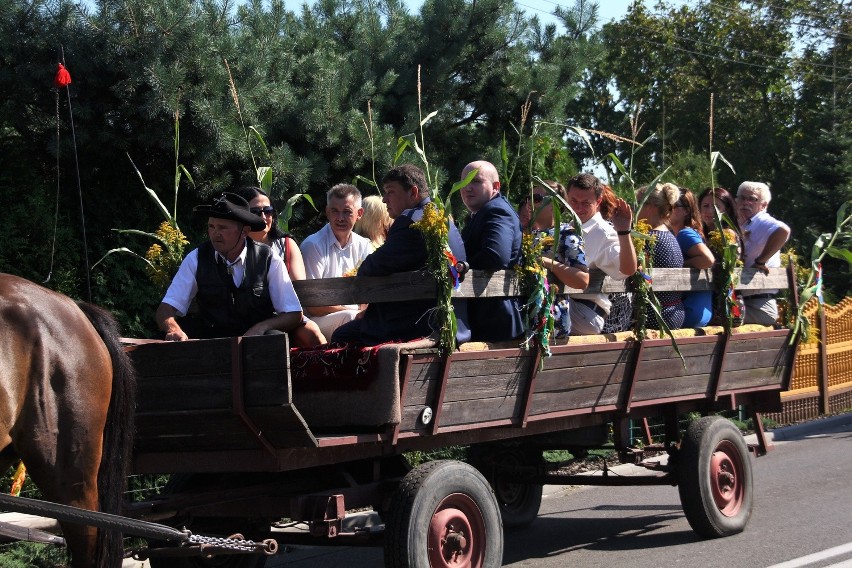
x: 602, y: 252
x: 184, y: 287
x: 756, y: 232
x: 325, y: 258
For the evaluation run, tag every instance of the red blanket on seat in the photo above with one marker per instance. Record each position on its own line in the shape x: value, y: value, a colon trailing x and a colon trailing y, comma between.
x: 336, y: 366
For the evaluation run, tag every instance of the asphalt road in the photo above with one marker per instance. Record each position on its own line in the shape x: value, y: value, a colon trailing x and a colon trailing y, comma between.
x: 802, y: 518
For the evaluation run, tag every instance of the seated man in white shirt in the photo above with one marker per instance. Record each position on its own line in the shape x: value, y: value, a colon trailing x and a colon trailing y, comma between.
x: 608, y: 248
x: 241, y: 287
x: 763, y: 237
x: 334, y: 251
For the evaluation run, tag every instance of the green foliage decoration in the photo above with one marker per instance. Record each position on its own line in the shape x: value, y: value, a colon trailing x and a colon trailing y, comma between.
x: 162, y: 258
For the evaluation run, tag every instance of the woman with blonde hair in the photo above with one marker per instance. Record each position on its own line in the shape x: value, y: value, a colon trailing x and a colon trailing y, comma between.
x: 375, y: 222
x: 657, y: 210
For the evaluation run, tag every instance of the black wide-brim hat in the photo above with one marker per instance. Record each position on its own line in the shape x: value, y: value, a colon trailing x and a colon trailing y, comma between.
x: 233, y: 207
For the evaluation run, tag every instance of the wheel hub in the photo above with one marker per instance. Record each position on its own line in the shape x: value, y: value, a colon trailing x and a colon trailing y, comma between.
x: 726, y: 473
x: 456, y: 534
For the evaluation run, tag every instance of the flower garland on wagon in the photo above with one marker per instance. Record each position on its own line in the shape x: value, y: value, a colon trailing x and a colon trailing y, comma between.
x: 641, y: 280
x: 532, y: 276
x: 723, y: 245
x: 441, y: 264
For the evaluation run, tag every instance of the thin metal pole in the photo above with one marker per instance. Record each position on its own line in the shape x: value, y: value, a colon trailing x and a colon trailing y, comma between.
x: 79, y: 190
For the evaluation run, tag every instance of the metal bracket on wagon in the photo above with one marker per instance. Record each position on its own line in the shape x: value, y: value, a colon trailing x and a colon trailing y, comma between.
x: 324, y: 513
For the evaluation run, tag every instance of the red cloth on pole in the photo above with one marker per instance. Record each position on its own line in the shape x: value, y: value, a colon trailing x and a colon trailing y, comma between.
x: 63, y: 77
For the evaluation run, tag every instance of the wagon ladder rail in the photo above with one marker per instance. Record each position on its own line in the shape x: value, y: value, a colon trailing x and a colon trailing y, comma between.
x: 187, y: 543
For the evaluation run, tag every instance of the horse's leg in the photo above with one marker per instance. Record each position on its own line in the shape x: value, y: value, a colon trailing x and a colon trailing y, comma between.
x: 66, y: 471
x: 65, y: 442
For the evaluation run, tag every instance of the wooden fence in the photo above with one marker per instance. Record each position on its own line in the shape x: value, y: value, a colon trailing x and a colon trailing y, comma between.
x: 822, y: 373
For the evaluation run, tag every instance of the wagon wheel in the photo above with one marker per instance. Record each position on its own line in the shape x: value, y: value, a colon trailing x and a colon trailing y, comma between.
x: 715, y: 478
x: 518, y: 501
x: 443, y: 514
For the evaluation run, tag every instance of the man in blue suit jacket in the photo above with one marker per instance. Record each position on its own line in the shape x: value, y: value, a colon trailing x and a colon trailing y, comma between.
x: 405, y: 195
x: 492, y: 239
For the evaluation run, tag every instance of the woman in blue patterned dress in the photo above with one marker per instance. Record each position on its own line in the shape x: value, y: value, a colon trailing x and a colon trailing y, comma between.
x: 657, y: 210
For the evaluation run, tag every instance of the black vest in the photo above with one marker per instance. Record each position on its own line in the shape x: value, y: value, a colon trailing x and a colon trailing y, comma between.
x: 231, y: 311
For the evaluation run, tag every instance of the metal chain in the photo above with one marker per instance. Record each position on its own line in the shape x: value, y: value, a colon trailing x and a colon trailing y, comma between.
x: 227, y: 543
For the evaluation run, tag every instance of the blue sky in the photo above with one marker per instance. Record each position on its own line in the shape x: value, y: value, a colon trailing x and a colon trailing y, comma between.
x: 607, y: 9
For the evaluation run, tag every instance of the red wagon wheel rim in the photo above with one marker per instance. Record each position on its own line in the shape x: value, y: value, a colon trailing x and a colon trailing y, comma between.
x: 726, y: 478
x: 456, y: 533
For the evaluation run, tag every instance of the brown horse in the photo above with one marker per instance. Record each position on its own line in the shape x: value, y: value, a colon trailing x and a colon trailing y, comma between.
x: 67, y: 394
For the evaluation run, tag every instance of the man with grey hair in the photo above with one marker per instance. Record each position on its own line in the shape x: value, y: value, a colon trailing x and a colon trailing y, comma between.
x: 335, y: 251
x: 763, y: 237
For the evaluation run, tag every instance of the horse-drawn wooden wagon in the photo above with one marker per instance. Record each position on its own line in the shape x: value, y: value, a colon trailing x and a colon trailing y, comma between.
x: 253, y: 432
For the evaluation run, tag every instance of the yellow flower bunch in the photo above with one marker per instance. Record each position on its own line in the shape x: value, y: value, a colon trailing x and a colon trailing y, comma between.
x: 803, y: 271
x: 433, y: 224
x: 718, y: 245
x: 164, y: 262
x: 436, y: 230
x: 642, y: 226
x: 532, y: 249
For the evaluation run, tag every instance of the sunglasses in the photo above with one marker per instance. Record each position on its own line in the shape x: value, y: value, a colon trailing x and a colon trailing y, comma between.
x: 536, y: 198
x: 259, y: 211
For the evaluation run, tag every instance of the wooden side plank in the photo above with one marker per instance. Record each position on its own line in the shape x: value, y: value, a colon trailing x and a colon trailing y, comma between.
x: 478, y: 284
x: 587, y: 397
x: 553, y: 380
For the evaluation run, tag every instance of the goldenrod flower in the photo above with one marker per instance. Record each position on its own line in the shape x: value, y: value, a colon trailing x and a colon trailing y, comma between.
x: 165, y: 261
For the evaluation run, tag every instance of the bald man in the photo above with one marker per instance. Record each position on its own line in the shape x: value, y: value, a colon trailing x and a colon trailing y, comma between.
x: 492, y: 239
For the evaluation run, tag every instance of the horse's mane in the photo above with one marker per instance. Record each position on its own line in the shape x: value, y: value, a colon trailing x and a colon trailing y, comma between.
x: 118, y: 433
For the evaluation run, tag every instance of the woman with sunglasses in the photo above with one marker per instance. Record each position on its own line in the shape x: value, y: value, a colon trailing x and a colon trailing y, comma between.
x: 568, y: 264
x: 309, y: 334
x: 685, y: 223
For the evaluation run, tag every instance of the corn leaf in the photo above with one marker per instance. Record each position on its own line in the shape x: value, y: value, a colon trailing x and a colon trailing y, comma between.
x: 563, y: 205
x: 647, y: 194
x: 841, y: 254
x: 658, y: 314
x: 818, y: 245
x: 584, y: 136
x: 284, y: 218
x: 124, y: 250
x: 428, y: 117
x: 459, y: 185
x: 714, y: 156
x: 402, y: 144
x: 842, y: 219
x: 264, y: 178
x: 259, y: 138
x: 369, y: 182
x: 618, y: 164
x: 151, y: 192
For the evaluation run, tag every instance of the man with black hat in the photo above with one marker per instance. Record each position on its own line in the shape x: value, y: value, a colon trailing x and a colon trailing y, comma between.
x: 241, y: 287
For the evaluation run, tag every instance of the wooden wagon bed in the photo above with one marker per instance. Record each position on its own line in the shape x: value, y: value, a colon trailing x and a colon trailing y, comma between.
x: 233, y: 404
